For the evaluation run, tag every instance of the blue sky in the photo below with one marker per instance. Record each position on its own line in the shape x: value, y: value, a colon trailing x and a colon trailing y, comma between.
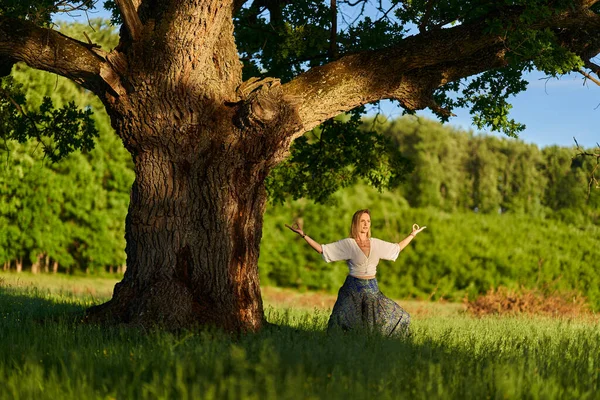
x: 553, y: 110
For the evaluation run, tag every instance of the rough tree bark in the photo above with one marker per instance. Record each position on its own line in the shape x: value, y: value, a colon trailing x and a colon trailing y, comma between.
x: 202, y: 144
x: 203, y: 141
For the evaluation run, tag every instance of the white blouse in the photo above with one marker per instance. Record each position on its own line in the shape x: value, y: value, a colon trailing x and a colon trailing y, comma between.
x: 358, y: 263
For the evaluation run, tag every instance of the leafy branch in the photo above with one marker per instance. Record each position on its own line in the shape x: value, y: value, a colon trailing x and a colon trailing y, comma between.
x: 60, y: 131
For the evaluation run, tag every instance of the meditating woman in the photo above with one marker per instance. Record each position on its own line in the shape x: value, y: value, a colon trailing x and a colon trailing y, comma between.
x: 360, y: 305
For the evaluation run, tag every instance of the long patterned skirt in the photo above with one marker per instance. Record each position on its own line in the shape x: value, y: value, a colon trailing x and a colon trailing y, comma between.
x: 361, y: 306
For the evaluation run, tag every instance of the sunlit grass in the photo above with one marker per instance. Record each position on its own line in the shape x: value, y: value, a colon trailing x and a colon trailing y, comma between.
x: 77, y: 285
x: 45, y: 352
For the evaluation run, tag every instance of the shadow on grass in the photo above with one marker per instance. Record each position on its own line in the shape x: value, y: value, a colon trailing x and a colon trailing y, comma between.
x: 293, y: 338
x: 291, y: 355
x: 289, y: 332
x: 300, y: 329
x: 355, y: 359
x: 36, y: 305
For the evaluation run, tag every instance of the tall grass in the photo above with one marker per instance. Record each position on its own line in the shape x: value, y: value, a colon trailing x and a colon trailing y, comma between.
x: 45, y: 352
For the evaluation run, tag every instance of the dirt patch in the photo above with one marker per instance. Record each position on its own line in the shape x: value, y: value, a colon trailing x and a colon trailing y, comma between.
x: 503, y: 301
x: 291, y: 298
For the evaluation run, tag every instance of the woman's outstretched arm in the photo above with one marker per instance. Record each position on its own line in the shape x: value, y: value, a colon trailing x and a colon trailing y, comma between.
x: 404, y: 242
x: 296, y: 228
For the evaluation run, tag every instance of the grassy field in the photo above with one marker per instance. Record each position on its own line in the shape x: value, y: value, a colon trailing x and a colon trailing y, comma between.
x: 46, y: 353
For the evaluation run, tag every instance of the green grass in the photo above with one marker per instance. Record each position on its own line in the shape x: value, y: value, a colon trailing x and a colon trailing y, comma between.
x: 89, y: 286
x: 46, y: 353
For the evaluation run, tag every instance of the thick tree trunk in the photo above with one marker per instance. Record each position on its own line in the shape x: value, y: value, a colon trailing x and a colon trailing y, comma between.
x: 36, y: 266
x: 19, y: 264
x: 55, y: 267
x: 193, y: 233
x: 202, y: 144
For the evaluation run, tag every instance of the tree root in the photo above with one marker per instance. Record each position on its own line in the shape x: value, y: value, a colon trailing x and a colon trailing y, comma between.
x: 167, y: 305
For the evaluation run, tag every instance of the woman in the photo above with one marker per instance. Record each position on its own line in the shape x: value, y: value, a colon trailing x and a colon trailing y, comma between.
x: 360, y: 304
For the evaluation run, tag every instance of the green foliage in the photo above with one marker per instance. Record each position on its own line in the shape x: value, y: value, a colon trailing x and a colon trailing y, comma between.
x: 72, y: 211
x: 488, y: 95
x: 98, y: 30
x: 32, y: 199
x: 36, y: 106
x: 47, y: 354
x: 368, y: 34
x: 338, y: 155
x: 491, y: 12
x: 283, y: 39
x: 68, y: 128
x: 115, y: 17
x: 542, y: 47
x: 285, y: 42
x: 60, y: 131
x: 459, y: 170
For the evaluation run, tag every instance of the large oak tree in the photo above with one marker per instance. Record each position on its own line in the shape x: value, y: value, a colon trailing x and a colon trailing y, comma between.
x: 208, y: 96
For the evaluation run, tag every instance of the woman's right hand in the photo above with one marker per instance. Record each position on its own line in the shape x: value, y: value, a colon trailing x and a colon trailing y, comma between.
x: 295, y: 228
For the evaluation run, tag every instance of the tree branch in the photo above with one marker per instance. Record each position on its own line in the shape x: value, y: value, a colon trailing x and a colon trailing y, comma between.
x: 237, y: 5
x: 51, y: 51
x: 413, y: 69
x: 588, y: 76
x: 408, y: 72
x: 426, y: 17
x: 586, y: 3
x: 595, y: 69
x: 333, y: 53
x: 593, y: 66
x: 131, y: 18
x: 357, y: 2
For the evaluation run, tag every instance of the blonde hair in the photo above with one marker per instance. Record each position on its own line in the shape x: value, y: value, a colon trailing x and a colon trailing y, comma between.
x: 355, y: 227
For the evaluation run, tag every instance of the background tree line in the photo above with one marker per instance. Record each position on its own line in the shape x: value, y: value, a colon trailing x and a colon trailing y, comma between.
x: 499, y: 211
x: 65, y: 216
x: 457, y: 170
